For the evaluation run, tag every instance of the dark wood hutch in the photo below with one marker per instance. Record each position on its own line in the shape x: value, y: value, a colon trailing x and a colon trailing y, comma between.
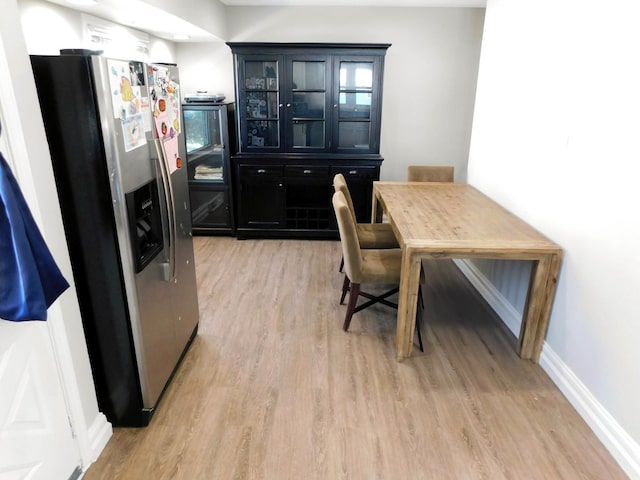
x: 305, y: 111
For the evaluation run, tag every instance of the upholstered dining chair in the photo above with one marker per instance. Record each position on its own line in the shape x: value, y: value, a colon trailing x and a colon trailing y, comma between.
x: 370, y: 235
x: 430, y: 173
x: 371, y: 266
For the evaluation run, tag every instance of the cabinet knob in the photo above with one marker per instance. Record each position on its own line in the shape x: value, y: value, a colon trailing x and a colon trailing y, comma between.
x: 280, y: 105
x: 307, y: 171
x: 335, y: 105
x: 288, y: 105
x: 352, y: 172
x: 262, y: 170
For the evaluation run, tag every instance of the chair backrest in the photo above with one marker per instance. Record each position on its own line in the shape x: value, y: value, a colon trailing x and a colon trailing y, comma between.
x: 430, y: 173
x: 348, y: 238
x: 340, y: 185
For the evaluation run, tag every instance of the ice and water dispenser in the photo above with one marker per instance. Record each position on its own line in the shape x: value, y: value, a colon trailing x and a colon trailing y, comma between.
x: 145, y: 224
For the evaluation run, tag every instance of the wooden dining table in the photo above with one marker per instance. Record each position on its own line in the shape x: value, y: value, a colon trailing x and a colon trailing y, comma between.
x: 457, y: 221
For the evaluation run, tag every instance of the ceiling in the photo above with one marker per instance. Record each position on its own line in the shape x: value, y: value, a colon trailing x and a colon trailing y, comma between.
x: 142, y: 16
x: 362, y: 3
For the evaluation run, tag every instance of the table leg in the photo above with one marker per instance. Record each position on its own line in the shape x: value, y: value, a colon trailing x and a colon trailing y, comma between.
x: 537, y: 310
x: 549, y: 296
x: 407, y: 302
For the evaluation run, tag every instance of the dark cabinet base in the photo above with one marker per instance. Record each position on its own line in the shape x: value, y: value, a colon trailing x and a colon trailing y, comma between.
x: 282, y: 197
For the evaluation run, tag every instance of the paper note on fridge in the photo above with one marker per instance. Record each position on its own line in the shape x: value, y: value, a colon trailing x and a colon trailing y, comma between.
x: 133, y: 132
x: 171, y: 152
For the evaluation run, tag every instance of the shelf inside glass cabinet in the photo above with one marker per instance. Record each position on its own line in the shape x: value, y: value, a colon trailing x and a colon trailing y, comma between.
x: 207, y: 168
x: 205, y: 148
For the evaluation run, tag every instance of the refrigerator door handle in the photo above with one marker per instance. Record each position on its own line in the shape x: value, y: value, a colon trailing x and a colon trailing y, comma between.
x: 167, y: 188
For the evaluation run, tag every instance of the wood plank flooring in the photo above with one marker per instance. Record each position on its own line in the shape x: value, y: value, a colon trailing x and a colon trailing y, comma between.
x: 273, y: 389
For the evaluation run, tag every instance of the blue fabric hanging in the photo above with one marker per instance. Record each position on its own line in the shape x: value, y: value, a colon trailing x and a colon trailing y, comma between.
x: 30, y: 280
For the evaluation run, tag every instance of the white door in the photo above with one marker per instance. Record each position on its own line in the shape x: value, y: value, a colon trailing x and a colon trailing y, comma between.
x: 36, y: 440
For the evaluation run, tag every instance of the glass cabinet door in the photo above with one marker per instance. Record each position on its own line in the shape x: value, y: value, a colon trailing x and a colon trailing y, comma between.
x: 260, y: 104
x: 209, y: 207
x: 355, y: 105
x: 205, y: 145
x: 308, y: 100
x: 308, y: 103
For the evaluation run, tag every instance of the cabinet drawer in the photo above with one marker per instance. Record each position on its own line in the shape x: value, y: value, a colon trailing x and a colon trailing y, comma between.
x: 306, y: 171
x: 260, y: 170
x: 355, y: 172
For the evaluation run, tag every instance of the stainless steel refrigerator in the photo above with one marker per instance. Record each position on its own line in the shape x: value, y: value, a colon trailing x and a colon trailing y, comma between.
x: 117, y: 144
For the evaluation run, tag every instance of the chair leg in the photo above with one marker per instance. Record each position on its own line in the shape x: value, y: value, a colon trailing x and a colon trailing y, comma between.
x: 419, y: 310
x: 341, y: 265
x: 419, y: 338
x: 345, y: 288
x: 354, y: 293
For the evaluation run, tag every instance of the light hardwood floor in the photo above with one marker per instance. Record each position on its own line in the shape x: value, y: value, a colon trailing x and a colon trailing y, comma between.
x: 273, y: 389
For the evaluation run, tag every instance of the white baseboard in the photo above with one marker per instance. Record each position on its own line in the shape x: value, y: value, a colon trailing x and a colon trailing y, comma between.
x: 99, y: 434
x: 623, y: 448
x: 619, y: 443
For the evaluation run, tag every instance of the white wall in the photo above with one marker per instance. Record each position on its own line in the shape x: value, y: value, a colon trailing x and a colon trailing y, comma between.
x: 430, y: 70
x: 207, y: 67
x: 49, y: 27
x: 555, y: 140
